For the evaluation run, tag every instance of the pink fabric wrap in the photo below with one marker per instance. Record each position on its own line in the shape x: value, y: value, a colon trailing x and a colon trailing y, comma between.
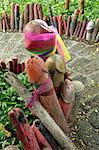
x: 40, y: 41
x: 45, y: 87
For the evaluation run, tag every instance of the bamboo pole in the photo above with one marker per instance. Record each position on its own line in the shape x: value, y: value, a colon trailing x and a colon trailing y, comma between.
x: 41, y: 113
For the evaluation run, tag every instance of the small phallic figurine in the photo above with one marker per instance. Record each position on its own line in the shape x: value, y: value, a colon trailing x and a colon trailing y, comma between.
x: 31, y: 138
x: 64, y: 86
x: 89, y: 28
x: 96, y: 30
x: 62, y: 82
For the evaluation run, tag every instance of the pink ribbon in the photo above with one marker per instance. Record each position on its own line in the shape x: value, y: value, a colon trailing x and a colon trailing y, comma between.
x: 45, y: 87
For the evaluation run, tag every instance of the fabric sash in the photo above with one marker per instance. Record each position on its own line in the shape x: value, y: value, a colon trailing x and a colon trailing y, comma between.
x: 43, y: 88
x: 47, y: 44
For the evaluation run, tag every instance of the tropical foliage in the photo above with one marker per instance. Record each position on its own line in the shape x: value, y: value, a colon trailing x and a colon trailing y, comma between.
x: 8, y: 100
x: 58, y: 6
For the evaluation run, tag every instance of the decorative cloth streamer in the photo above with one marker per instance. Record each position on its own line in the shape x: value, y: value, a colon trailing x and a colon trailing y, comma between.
x: 46, y: 44
x: 45, y: 87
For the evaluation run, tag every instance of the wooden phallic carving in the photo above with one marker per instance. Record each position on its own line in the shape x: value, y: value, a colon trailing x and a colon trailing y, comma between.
x: 31, y: 138
x: 41, y: 113
x: 62, y: 83
x: 38, y: 73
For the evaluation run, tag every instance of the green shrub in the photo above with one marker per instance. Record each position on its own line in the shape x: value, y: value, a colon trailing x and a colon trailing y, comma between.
x: 58, y: 6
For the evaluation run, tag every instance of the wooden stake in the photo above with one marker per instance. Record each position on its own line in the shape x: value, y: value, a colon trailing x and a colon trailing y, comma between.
x: 21, y: 23
x: 12, y: 16
x: 68, y: 26
x: 96, y: 30
x: 40, y: 12
x: 83, y: 28
x: 60, y: 25
x: 3, y: 65
x: 11, y: 66
x: 35, y: 12
x: 26, y: 14
x: 67, y: 4
x: 16, y: 16
x: 31, y: 11
x: 73, y: 25
x: 76, y: 29
x: 65, y: 25
x: 18, y: 68
x: 15, y: 62
x: 79, y: 28
x: 81, y: 6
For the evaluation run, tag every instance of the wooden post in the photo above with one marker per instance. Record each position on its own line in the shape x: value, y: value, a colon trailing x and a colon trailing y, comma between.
x: 67, y: 4
x: 76, y: 29
x: 96, y: 30
x: 31, y: 11
x: 82, y: 29
x: 81, y: 3
x: 26, y: 14
x: 41, y: 113
x: 55, y: 22
x: 35, y: 11
x: 68, y: 26
x: 40, y: 11
x: 12, y: 25
x: 21, y: 23
x: 60, y: 25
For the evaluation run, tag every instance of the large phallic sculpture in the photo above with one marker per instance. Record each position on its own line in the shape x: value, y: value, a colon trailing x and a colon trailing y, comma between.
x: 44, y: 90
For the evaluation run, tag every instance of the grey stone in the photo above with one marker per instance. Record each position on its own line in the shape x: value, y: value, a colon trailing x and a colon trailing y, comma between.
x: 91, y: 104
x: 87, y: 133
x: 95, y: 76
x: 16, y: 37
x: 9, y: 47
x: 89, y: 50
x: 73, y: 56
x: 89, y: 91
x: 76, y: 48
x: 79, y: 63
x: 94, y: 119
x: 81, y: 78
x: 90, y: 68
x: 69, y: 43
x: 5, y: 38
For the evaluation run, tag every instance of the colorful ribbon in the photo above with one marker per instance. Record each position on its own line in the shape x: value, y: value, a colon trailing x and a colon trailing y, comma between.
x: 47, y: 44
x: 43, y: 88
